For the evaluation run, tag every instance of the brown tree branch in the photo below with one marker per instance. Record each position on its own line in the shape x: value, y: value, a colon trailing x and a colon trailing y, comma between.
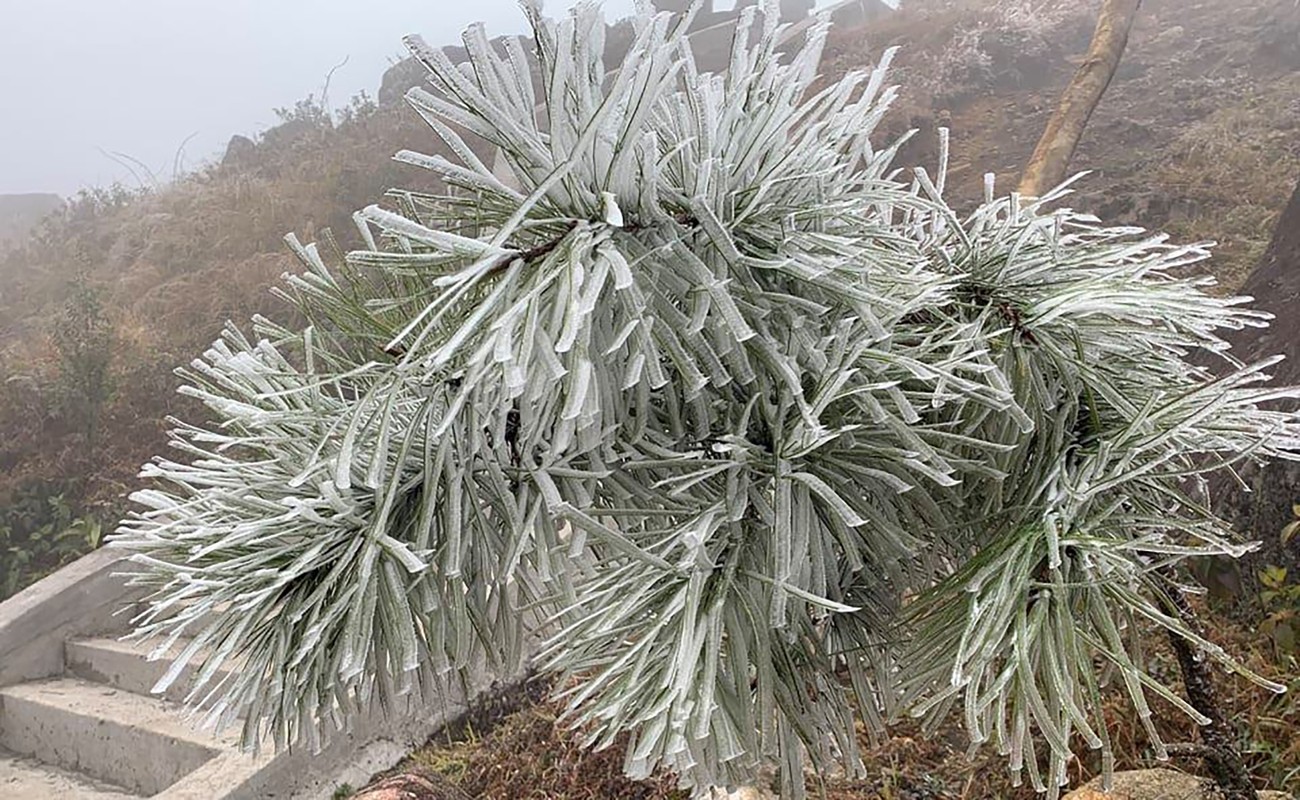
x: 412, y: 784
x: 1218, y: 748
x: 1047, y: 167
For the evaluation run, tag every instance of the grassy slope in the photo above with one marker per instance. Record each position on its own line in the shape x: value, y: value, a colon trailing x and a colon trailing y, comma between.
x: 1198, y: 135
x: 169, y: 266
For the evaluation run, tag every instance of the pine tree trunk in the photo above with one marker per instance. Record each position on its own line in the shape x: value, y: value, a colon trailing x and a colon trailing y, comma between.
x: 1051, y: 158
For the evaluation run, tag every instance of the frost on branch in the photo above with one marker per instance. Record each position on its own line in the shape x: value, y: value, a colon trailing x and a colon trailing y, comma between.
x: 762, y: 436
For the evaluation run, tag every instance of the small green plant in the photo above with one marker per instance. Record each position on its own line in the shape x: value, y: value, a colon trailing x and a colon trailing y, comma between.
x: 41, y: 531
x: 1289, y: 532
x: 83, y: 337
x: 1280, y: 597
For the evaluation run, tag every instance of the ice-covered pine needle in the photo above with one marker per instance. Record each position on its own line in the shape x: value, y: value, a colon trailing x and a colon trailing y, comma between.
x: 761, y: 437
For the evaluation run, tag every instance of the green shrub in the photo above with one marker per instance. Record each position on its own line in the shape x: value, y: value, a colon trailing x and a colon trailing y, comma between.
x: 40, y: 532
x: 83, y: 339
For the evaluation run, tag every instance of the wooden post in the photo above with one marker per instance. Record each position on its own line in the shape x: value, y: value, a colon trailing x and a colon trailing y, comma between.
x: 1051, y: 158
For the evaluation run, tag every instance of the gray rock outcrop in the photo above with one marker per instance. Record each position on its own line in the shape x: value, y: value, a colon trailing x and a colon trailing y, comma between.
x: 1157, y: 784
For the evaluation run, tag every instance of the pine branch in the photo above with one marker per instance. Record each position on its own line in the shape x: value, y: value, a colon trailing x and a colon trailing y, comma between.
x: 762, y: 444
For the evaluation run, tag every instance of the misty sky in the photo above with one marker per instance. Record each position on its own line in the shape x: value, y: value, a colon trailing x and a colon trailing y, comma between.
x: 82, y: 78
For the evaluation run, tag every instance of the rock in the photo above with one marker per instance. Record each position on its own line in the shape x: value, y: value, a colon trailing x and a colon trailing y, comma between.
x: 1157, y: 784
x: 1267, y: 508
x: 240, y: 152
x: 412, y: 785
x: 795, y: 10
x: 1275, y: 285
x: 741, y: 793
x: 398, y: 79
x: 678, y: 6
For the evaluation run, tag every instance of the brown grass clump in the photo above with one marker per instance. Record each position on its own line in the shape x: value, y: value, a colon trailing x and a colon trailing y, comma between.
x: 1229, y: 173
x: 524, y: 751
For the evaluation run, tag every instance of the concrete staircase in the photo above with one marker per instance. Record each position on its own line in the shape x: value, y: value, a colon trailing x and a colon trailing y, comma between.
x: 97, y: 732
x: 78, y: 720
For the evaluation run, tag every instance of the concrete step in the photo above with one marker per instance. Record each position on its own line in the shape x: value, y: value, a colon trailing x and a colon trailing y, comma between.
x: 23, y: 778
x: 126, y: 666
x: 74, y: 739
x: 140, y: 743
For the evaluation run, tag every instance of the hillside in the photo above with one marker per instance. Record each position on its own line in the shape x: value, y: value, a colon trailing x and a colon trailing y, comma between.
x: 19, y: 213
x: 1199, y: 136
x: 110, y: 295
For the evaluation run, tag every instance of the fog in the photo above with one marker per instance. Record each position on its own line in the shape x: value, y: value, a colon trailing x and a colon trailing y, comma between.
x: 88, y: 84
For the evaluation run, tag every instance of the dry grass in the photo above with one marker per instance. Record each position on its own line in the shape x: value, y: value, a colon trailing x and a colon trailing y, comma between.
x: 171, y: 265
x: 519, y: 750
x: 528, y: 753
x: 1197, y: 136
x: 1232, y: 171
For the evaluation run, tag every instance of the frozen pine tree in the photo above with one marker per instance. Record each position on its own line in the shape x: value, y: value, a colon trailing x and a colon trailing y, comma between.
x: 761, y: 436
